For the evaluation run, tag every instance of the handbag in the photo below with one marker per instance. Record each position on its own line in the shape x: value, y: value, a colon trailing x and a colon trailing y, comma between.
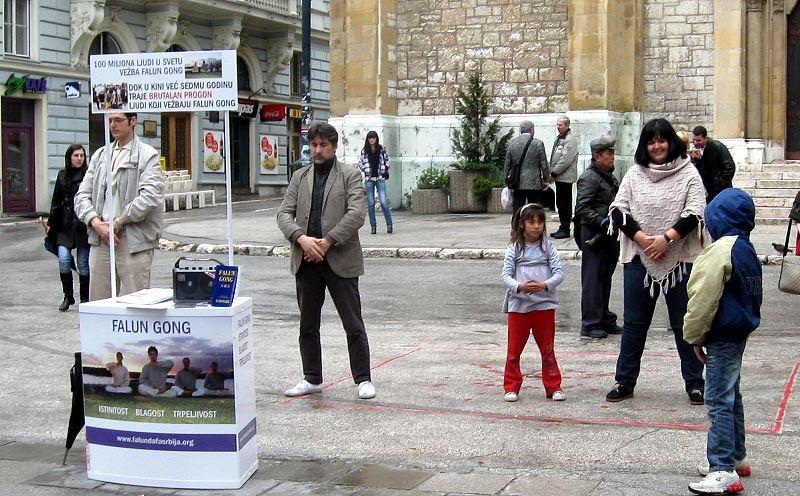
x: 512, y: 179
x: 506, y: 197
x: 789, y: 279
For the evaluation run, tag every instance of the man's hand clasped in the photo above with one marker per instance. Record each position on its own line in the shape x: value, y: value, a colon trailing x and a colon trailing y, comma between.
x: 102, y: 230
x: 314, y: 249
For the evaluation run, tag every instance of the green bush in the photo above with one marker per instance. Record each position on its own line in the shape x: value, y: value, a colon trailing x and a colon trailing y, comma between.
x: 482, y: 187
x: 433, y: 178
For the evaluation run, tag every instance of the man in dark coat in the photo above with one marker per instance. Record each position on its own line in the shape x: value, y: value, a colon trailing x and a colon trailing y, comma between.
x: 597, y: 188
x: 714, y: 162
x: 526, y: 155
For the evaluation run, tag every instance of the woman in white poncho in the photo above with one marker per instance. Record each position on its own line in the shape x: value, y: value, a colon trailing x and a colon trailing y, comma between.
x: 659, y: 210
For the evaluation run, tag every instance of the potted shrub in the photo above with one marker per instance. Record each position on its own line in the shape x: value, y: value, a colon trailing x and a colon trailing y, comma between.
x: 430, y: 195
x: 477, y: 146
x: 489, y: 189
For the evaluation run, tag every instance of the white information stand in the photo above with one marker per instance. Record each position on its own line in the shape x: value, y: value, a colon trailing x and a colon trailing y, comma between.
x: 205, y: 440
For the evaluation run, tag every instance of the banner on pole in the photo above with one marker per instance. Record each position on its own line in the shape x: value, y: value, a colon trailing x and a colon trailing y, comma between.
x: 213, y: 152
x: 269, y: 154
x: 164, y: 82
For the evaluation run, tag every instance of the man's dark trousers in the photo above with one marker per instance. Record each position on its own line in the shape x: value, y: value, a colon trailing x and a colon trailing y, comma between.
x: 311, y: 281
x: 598, y: 263
x: 522, y: 197
x: 564, y: 205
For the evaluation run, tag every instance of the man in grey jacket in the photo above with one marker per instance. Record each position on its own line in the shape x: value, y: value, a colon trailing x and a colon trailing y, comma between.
x: 137, y: 210
x: 564, y: 171
x: 597, y: 188
x: 320, y: 215
x: 534, y: 172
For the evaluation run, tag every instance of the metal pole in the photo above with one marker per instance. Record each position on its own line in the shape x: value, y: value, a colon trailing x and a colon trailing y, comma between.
x: 305, y: 155
x: 228, y: 174
x: 112, y: 270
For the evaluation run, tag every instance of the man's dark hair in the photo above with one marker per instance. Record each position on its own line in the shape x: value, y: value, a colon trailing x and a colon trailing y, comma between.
x: 659, y: 128
x: 152, y: 348
x: 323, y: 130
x: 131, y: 114
x: 700, y: 131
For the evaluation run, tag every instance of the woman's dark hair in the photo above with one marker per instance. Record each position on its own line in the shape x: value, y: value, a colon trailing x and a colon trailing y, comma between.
x: 68, y: 156
x: 659, y: 128
x: 530, y: 211
x: 372, y: 134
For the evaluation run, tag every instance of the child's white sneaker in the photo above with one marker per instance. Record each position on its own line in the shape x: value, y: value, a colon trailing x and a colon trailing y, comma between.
x: 718, y: 483
x: 511, y: 396
x: 366, y: 390
x: 558, y: 396
x: 740, y: 466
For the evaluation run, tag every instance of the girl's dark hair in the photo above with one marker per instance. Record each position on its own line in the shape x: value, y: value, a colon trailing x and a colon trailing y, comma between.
x: 527, y: 212
x: 659, y: 128
x: 68, y: 155
x: 372, y: 134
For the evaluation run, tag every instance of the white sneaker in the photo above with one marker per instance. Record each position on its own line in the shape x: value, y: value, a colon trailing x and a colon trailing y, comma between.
x: 718, y: 483
x: 303, y: 388
x: 558, y: 396
x: 741, y: 467
x: 366, y: 390
x: 511, y: 396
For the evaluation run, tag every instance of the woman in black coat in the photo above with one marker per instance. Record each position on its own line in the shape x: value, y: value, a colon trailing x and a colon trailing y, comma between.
x: 66, y: 230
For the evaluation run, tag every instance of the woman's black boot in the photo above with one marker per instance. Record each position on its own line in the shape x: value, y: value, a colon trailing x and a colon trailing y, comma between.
x: 84, y: 281
x: 66, y: 286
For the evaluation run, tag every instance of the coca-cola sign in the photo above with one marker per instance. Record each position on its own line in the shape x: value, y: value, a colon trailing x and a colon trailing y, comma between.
x: 273, y: 112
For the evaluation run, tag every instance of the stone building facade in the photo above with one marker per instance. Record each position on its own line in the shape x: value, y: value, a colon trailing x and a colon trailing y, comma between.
x: 610, y: 66
x: 50, y: 46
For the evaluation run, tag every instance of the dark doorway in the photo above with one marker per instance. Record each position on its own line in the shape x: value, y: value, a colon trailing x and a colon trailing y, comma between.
x: 240, y: 152
x: 176, y: 140
x: 19, y: 160
x: 793, y: 85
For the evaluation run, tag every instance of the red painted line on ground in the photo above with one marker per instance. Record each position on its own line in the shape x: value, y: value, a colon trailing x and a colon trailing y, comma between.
x: 344, y: 378
x: 784, y: 405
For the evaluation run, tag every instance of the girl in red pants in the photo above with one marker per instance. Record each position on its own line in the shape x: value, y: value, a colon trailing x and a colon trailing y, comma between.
x: 531, y: 272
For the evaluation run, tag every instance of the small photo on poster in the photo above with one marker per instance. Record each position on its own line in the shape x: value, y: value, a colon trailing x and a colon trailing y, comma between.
x: 202, y: 65
x: 213, y: 159
x: 268, y: 149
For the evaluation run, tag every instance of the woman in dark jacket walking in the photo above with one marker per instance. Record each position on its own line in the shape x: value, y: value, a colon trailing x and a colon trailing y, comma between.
x: 64, y: 227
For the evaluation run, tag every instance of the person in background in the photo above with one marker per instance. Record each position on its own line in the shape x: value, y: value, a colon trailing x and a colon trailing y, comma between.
x: 526, y: 154
x: 66, y: 229
x: 531, y: 272
x: 597, y: 188
x: 374, y: 164
x: 725, y: 296
x: 713, y: 160
x: 659, y: 208
x: 564, y: 171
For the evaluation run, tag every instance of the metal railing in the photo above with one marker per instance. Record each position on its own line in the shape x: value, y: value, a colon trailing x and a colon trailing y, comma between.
x: 276, y: 6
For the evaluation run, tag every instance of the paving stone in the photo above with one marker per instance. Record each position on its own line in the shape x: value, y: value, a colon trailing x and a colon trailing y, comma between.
x: 205, y: 248
x: 71, y: 476
x: 379, y: 252
x: 467, y: 483
x: 460, y: 254
x: 301, y: 470
x: 418, y: 252
x: 282, y: 251
x: 546, y: 486
x: 382, y: 476
x: 124, y: 489
x: 20, y: 471
x: 494, y: 254
x: 253, y: 487
x: 373, y: 491
x: 291, y: 487
x: 260, y: 251
x: 37, y: 452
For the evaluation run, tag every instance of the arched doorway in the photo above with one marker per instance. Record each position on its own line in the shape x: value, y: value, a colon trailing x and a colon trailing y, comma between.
x: 176, y: 135
x: 240, y: 133
x: 793, y: 85
x: 102, y: 44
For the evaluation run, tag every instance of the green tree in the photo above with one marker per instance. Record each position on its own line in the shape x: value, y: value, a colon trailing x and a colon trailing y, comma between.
x: 475, y: 143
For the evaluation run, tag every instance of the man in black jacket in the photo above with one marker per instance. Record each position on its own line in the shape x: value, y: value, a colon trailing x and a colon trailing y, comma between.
x: 597, y: 188
x: 714, y: 162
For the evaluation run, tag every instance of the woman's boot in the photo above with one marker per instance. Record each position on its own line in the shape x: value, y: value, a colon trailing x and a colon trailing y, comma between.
x: 66, y: 285
x: 84, y: 280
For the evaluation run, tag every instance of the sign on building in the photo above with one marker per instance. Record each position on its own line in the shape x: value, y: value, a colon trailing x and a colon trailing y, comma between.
x: 164, y: 82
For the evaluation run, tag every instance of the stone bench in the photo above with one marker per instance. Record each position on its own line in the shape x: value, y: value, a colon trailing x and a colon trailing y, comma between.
x: 187, y: 197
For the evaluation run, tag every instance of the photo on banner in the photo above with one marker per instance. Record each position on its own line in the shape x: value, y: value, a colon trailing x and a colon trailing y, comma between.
x: 268, y: 150
x: 213, y: 152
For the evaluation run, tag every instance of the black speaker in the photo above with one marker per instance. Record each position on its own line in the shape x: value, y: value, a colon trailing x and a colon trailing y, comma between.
x: 192, y: 279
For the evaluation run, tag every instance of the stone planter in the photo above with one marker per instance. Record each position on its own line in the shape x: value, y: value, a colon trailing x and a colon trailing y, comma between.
x: 494, y: 206
x: 461, y: 197
x: 428, y: 201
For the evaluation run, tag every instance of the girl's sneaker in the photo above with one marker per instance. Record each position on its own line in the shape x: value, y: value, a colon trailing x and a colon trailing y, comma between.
x: 511, y: 396
x: 740, y: 466
x: 558, y: 396
x: 718, y: 483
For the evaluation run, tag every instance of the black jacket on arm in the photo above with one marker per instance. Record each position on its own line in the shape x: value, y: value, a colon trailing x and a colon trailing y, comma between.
x: 716, y: 167
x: 596, y: 191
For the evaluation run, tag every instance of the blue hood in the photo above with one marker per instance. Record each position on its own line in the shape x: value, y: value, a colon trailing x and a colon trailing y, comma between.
x: 731, y: 213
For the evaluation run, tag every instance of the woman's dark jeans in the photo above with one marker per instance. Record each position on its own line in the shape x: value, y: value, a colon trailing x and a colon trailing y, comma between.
x: 639, y: 307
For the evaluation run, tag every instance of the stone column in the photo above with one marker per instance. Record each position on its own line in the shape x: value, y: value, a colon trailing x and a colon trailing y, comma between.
x: 729, y: 74
x: 755, y: 55
x: 363, y: 65
x: 605, y: 54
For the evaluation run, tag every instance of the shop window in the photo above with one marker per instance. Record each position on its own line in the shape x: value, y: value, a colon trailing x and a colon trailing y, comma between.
x: 16, y: 27
x: 242, y: 75
x: 296, y: 74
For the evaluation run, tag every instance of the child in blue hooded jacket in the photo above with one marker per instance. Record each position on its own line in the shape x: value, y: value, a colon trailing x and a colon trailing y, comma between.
x: 724, y: 308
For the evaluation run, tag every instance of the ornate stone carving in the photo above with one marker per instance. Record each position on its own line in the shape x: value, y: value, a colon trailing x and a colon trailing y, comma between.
x: 115, y: 12
x: 777, y: 6
x: 162, y: 26
x: 183, y: 28
x: 85, y: 17
x: 280, y: 47
x: 227, y: 36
